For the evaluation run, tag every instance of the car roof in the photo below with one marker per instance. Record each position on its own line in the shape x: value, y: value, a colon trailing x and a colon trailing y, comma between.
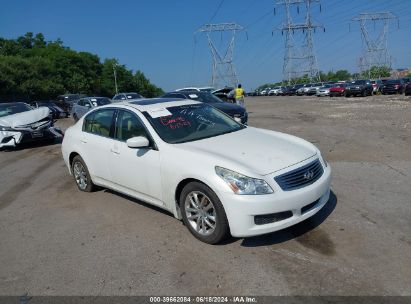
x: 147, y: 104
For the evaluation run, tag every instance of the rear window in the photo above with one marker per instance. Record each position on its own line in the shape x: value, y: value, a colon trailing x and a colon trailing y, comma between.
x: 99, y: 122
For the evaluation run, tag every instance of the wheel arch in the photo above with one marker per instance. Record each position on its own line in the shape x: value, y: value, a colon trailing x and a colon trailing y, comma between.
x: 71, y: 157
x: 180, y: 188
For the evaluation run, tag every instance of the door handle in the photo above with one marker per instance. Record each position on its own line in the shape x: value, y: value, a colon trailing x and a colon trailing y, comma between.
x: 115, y: 151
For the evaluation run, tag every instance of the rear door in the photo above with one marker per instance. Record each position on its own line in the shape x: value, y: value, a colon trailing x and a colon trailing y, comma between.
x: 97, y: 138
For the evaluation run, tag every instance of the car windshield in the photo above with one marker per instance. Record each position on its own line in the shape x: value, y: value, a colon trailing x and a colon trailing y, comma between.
x: 204, y: 97
x: 359, y: 82
x: 14, y: 108
x: 394, y: 81
x: 100, y: 101
x: 133, y: 96
x: 192, y: 122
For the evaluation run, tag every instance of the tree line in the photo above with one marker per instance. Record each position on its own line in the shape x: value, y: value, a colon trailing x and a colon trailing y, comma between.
x: 32, y: 68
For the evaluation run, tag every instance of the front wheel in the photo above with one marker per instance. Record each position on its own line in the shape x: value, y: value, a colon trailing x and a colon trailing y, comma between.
x: 203, y: 214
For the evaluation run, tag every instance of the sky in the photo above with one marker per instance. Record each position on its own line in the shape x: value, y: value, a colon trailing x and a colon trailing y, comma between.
x: 158, y: 36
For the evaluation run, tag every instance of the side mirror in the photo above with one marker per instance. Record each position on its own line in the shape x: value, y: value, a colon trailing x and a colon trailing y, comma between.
x: 138, y: 142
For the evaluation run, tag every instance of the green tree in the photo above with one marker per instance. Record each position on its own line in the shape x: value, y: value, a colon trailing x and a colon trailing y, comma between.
x: 377, y: 72
x: 33, y: 68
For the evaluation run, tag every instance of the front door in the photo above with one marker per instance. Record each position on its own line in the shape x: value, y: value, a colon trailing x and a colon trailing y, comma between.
x: 135, y: 171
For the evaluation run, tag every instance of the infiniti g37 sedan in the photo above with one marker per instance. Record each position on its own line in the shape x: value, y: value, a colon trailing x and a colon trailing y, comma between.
x: 217, y: 175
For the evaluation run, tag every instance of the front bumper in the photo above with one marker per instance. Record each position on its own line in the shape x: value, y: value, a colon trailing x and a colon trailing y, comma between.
x: 242, y: 210
x: 14, y: 137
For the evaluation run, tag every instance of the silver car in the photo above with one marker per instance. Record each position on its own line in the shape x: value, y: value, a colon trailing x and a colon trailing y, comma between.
x: 86, y: 104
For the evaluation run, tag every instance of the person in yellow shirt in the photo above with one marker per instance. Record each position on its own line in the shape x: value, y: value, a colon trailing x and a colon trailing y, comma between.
x: 239, y: 96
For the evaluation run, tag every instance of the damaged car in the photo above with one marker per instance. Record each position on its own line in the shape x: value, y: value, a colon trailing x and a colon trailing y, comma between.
x: 20, y: 123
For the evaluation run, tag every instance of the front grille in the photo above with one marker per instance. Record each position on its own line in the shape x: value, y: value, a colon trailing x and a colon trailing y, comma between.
x: 309, y: 207
x: 300, y: 177
x: 271, y: 218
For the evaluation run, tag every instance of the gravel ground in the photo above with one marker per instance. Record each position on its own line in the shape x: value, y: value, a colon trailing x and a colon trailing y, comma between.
x: 56, y: 240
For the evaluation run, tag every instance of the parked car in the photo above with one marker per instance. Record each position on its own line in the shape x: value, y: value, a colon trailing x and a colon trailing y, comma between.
x: 393, y: 86
x: 293, y: 90
x: 376, y: 84
x: 337, y: 89
x: 359, y: 88
x: 126, y: 96
x: 86, y: 104
x: 275, y: 91
x: 219, y: 176
x: 235, y: 111
x: 407, y: 90
x: 265, y: 92
x: 66, y: 101
x: 20, y: 123
x: 55, y: 110
x: 314, y: 88
x: 286, y: 91
x: 304, y: 89
x: 226, y: 94
x: 324, y: 90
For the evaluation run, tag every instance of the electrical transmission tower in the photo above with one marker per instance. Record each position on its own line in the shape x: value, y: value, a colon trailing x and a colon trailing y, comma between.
x: 223, y: 68
x: 375, y: 49
x: 299, y: 58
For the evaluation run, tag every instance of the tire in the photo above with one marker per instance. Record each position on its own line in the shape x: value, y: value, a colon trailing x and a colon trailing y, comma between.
x: 347, y: 95
x: 364, y: 93
x: 199, y: 205
x: 82, y: 175
x: 75, y: 118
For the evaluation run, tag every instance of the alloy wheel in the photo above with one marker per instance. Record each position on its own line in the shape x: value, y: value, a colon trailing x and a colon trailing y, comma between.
x: 80, y: 175
x: 200, y: 212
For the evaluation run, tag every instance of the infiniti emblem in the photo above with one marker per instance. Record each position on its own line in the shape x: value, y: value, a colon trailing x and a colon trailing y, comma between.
x: 308, y: 175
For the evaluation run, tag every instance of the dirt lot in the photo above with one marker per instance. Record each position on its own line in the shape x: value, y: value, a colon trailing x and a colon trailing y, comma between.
x: 56, y: 240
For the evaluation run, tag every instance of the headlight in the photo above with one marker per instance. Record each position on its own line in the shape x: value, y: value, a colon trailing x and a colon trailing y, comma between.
x: 241, y: 184
x: 324, y: 161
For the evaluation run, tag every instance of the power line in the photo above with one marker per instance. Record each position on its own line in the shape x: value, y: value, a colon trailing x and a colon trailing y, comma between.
x: 216, y: 11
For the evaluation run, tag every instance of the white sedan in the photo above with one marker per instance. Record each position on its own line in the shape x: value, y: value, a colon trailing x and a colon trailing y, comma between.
x: 217, y: 175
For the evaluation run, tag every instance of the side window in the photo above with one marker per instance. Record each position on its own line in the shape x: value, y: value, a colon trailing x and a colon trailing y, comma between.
x: 88, y: 120
x: 80, y: 102
x: 102, y: 122
x: 115, y: 97
x: 128, y: 126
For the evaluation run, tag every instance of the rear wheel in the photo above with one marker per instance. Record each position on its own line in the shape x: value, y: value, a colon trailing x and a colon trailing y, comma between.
x: 82, y: 175
x: 203, y: 214
x: 364, y: 93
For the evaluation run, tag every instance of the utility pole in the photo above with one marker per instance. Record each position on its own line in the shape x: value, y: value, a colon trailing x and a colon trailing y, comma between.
x: 115, y: 76
x: 375, y: 49
x: 224, y: 73
x: 299, y: 58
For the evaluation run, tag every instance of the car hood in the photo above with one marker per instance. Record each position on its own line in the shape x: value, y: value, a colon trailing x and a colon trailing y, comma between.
x: 25, y: 118
x: 228, y: 107
x: 255, y: 150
